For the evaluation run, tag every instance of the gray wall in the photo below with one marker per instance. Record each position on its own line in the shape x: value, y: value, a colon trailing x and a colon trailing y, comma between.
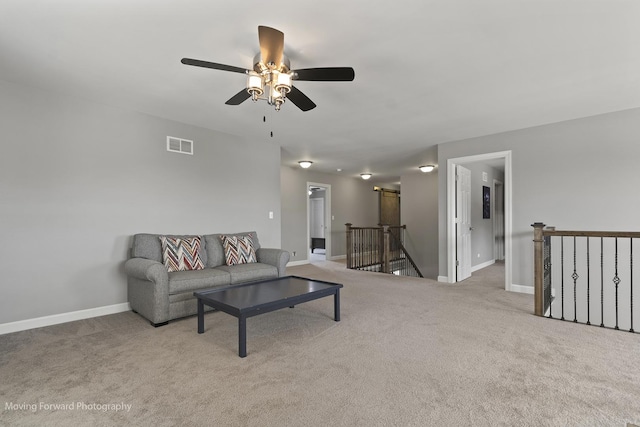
x: 77, y: 179
x: 580, y: 174
x: 352, y: 200
x: 419, y: 212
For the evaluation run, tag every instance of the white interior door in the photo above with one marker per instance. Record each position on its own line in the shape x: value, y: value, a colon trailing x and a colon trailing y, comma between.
x: 463, y: 223
x: 498, y: 220
x: 317, y: 218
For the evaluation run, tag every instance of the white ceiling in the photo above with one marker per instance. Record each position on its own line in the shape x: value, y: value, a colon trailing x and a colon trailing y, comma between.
x: 427, y: 72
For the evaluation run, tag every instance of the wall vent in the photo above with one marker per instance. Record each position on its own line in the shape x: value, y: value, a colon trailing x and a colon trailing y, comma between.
x: 179, y: 145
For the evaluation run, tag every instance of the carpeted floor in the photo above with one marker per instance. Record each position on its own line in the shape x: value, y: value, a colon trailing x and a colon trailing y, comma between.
x: 408, y: 352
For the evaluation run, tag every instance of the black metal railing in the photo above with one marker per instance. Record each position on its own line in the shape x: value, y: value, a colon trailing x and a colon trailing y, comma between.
x: 585, y: 276
x: 380, y: 249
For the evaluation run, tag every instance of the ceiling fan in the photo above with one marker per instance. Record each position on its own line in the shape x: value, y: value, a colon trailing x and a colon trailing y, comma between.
x: 272, y: 78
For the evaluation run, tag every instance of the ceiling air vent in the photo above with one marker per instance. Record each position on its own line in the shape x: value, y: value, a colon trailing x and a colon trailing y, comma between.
x: 179, y: 145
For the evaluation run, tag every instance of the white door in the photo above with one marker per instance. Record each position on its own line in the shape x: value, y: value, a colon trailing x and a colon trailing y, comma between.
x: 317, y: 218
x: 498, y: 220
x: 463, y: 223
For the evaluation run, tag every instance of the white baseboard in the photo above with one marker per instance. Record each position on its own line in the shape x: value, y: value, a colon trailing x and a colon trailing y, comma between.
x: 306, y: 261
x: 444, y: 279
x: 521, y: 289
x: 483, y: 265
x: 39, y: 322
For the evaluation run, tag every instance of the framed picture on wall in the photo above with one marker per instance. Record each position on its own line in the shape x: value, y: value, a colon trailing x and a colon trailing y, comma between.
x: 486, y: 202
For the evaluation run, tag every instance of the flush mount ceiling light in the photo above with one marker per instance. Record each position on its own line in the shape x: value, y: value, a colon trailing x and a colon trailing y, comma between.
x: 427, y: 168
x: 365, y: 175
x: 271, y: 78
x: 304, y: 164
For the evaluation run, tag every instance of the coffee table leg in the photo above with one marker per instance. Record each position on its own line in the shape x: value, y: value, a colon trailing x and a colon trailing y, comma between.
x: 336, y: 306
x: 242, y: 336
x: 200, y: 316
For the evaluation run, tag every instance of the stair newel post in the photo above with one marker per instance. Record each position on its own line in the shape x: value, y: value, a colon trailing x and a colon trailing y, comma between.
x: 349, y: 246
x: 538, y: 268
x: 386, y: 249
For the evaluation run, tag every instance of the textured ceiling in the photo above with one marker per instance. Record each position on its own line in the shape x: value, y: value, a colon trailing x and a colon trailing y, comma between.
x: 427, y: 72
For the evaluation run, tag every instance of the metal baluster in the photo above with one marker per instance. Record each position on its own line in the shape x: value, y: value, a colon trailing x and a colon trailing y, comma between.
x: 588, y: 284
x: 574, y: 276
x: 366, y: 248
x: 360, y: 249
x: 631, y: 280
x: 354, y: 249
x: 547, y: 268
x: 602, y: 282
x: 616, y: 281
x: 562, y: 277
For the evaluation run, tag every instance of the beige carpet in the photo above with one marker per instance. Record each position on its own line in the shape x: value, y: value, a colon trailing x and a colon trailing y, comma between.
x: 408, y: 352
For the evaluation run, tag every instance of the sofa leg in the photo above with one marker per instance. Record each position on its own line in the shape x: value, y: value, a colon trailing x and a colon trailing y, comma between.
x: 156, y: 325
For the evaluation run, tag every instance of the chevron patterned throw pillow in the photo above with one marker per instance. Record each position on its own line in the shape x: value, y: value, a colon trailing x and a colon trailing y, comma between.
x: 181, y: 254
x: 238, y: 249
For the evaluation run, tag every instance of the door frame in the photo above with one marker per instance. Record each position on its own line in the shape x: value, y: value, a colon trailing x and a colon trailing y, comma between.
x: 451, y: 212
x: 327, y: 218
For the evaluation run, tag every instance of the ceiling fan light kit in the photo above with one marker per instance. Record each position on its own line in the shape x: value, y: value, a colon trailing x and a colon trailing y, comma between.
x: 272, y: 78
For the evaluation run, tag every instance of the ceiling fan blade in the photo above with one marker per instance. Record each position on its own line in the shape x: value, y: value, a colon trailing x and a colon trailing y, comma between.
x: 327, y: 74
x: 271, y: 45
x: 300, y: 100
x: 239, y: 98
x: 215, y: 66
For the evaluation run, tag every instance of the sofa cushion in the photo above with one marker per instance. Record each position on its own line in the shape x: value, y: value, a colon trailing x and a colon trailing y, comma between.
x: 238, y: 249
x: 185, y: 281
x: 249, y: 272
x: 181, y: 254
x: 215, y: 251
x: 148, y: 246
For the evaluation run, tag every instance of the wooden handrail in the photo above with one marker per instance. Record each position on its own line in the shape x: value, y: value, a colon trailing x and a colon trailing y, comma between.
x: 406, y: 253
x: 622, y: 234
x: 371, y: 246
x: 540, y: 232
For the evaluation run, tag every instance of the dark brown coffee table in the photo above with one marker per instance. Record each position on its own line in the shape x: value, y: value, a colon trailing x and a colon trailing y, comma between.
x: 252, y: 299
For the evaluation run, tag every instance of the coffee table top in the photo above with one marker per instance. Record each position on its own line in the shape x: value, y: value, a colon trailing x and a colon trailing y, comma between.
x: 252, y: 296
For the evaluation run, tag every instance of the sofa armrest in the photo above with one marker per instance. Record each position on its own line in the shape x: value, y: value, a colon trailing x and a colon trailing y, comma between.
x: 148, y: 289
x: 146, y: 269
x: 276, y: 257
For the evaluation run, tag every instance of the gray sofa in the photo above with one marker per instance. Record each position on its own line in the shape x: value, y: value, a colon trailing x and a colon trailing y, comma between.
x: 161, y: 296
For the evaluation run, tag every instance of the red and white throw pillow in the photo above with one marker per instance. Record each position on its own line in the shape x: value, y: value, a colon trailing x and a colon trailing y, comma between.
x: 238, y: 249
x: 181, y: 254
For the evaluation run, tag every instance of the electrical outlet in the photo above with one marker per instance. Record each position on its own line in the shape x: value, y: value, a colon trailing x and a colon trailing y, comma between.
x: 270, y: 214
x: 478, y: 255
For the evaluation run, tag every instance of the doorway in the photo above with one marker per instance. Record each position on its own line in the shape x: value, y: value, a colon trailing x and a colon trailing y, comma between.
x: 318, y: 222
x: 452, y: 220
